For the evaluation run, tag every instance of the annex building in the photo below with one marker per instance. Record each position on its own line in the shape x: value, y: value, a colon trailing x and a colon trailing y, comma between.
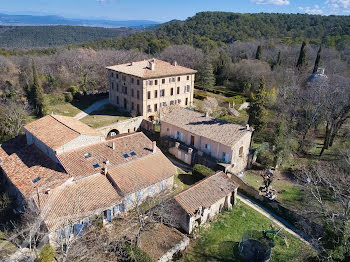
x: 71, y: 173
x: 144, y: 87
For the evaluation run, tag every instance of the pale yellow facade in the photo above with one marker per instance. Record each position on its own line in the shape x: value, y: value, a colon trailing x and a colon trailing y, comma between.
x: 146, y: 97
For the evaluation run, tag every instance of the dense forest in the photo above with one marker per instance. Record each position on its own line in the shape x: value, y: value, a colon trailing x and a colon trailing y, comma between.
x: 47, y: 36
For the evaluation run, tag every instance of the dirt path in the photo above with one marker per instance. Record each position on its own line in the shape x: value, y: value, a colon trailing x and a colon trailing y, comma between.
x: 95, y: 106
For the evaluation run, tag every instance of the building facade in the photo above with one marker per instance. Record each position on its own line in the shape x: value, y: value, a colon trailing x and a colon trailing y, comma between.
x: 145, y: 87
x: 197, y: 136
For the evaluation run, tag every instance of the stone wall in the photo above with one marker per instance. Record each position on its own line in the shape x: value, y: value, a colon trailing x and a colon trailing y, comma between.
x: 179, y: 247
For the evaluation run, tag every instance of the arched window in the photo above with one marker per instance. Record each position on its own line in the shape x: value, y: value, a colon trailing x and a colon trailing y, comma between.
x: 241, y: 151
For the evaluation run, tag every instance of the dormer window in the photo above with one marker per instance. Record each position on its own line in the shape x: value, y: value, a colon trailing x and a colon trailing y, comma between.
x: 132, y: 153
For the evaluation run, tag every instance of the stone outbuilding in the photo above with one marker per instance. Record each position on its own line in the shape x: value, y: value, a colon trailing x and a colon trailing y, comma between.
x: 202, y: 201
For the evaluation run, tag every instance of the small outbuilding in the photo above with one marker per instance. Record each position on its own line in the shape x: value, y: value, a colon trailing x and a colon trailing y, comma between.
x: 202, y: 201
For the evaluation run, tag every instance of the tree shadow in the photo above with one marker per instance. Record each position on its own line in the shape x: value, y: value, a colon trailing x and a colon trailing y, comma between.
x: 187, y: 179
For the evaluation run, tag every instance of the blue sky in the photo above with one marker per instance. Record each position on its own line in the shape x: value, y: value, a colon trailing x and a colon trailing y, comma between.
x: 165, y: 10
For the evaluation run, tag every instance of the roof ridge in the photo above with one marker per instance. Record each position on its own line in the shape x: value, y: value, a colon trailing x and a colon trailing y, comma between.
x: 199, y: 182
x: 66, y: 124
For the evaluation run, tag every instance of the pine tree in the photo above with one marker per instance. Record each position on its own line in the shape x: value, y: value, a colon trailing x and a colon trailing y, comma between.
x: 256, y: 109
x: 207, y: 76
x: 258, y: 53
x: 302, y: 56
x: 37, y: 94
x: 318, y: 60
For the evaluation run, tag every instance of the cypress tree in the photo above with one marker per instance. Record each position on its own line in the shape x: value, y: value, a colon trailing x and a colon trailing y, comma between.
x: 37, y: 93
x: 302, y: 56
x: 256, y: 109
x: 318, y: 59
x: 207, y: 76
x: 258, y: 53
x: 279, y: 58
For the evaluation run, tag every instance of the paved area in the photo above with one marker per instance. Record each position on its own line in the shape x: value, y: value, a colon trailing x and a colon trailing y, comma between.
x: 276, y: 219
x: 95, y: 106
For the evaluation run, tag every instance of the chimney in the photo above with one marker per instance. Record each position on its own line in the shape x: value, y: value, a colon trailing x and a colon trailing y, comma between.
x: 105, y: 169
x: 206, y: 114
x: 247, y: 126
x: 174, y: 63
x: 154, y: 146
x: 152, y: 64
x: 132, y: 63
x: 48, y: 191
x: 113, y: 145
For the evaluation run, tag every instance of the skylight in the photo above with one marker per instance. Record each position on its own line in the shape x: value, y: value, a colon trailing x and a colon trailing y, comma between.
x: 132, y: 153
x: 87, y: 155
x: 96, y: 165
x: 36, y: 179
x: 125, y: 155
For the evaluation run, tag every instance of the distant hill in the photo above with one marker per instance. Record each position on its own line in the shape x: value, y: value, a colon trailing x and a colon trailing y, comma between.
x: 49, y: 36
x: 21, y: 20
x: 206, y: 29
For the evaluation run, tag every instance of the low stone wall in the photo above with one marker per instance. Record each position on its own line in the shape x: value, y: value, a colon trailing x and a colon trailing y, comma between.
x: 179, y: 247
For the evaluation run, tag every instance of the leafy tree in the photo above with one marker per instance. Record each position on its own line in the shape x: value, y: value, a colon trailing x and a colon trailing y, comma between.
x: 47, y: 253
x: 317, y: 61
x: 302, y: 56
x: 258, y: 53
x: 37, y: 94
x: 206, y: 74
x: 256, y: 110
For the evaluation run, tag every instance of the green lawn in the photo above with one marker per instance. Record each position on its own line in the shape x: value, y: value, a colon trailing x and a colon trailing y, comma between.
x: 183, y: 180
x: 288, y: 193
x: 65, y: 109
x: 106, y: 116
x: 219, y: 242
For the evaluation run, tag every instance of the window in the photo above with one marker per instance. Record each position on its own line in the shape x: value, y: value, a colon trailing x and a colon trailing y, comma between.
x: 87, y: 155
x: 132, y: 92
x: 179, y: 101
x: 132, y: 80
x: 188, y: 77
x: 241, y: 151
x: 149, y: 109
x: 178, y: 90
x: 125, y: 103
x: 172, y: 91
x: 96, y: 165
x: 132, y: 105
x: 117, y: 100
x: 124, y: 78
x: 162, y: 92
x: 138, y: 82
x: 207, y: 147
x: 155, y: 107
x: 173, y: 79
x: 112, y: 74
x: 187, y: 89
x: 156, y: 82
x: 125, y: 90
x: 172, y: 102
x: 117, y: 88
x: 178, y: 79
x: 186, y: 101
x: 163, y: 184
x: 117, y: 76
x: 125, y: 155
x: 155, y: 93
x: 149, y: 95
x: 152, y: 189
x: 112, y: 85
x: 132, y: 153
x: 138, y: 109
x: 163, y: 81
x: 36, y: 179
x: 138, y: 94
x: 150, y: 82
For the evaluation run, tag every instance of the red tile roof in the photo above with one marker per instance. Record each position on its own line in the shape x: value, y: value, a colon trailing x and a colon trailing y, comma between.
x: 28, y: 164
x: 55, y: 131
x: 76, y: 164
x: 205, y: 193
x: 141, y: 173
x: 141, y: 69
x: 77, y: 200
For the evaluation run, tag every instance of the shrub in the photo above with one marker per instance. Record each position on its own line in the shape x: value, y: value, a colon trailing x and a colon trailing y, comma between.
x: 200, y: 171
x: 68, y: 97
x: 136, y: 254
x: 73, y: 90
x: 47, y: 253
x: 266, y: 158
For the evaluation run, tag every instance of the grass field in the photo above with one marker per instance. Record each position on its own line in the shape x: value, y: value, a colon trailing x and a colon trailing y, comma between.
x: 106, y: 116
x: 219, y: 242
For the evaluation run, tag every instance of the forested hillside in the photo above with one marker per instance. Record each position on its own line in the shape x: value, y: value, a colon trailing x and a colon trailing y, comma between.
x: 208, y: 29
x: 49, y: 36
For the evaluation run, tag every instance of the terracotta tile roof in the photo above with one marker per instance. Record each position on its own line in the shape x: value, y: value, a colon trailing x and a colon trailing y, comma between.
x: 77, y: 200
x: 141, y: 173
x: 55, y: 131
x: 28, y: 164
x: 12, y: 146
x: 76, y: 164
x: 197, y: 123
x: 141, y: 69
x: 205, y: 193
